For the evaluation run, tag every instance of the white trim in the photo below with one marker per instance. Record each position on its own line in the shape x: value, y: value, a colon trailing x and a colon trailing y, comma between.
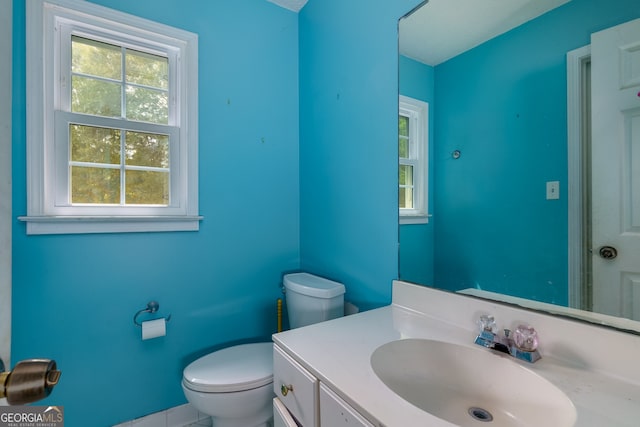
x: 6, y: 222
x: 414, y: 219
x: 419, y: 111
x: 575, y: 60
x: 43, y: 211
x: 106, y: 224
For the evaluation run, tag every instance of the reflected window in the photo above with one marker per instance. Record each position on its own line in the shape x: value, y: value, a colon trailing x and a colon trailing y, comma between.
x: 413, y: 119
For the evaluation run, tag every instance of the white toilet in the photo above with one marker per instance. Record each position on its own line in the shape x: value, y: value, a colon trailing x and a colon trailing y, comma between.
x: 311, y: 299
x: 235, y: 385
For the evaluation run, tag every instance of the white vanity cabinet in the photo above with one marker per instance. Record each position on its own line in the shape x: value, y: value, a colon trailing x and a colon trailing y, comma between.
x: 296, y: 388
x: 335, y: 412
x: 301, y: 400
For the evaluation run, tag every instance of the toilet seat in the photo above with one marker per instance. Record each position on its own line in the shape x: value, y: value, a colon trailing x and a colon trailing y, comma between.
x: 233, y: 369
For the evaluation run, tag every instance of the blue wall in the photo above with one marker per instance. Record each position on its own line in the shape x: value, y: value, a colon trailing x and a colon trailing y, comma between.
x: 332, y: 70
x: 74, y: 295
x: 417, y: 240
x: 503, y: 105
x: 348, y: 148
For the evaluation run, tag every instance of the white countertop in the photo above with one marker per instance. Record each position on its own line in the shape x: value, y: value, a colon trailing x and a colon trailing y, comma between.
x: 338, y: 353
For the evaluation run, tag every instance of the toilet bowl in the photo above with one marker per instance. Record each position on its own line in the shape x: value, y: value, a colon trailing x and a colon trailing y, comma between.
x: 233, y: 385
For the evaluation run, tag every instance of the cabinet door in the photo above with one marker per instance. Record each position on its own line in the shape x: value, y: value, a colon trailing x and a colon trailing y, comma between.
x: 335, y: 412
x: 281, y: 416
x: 296, y: 388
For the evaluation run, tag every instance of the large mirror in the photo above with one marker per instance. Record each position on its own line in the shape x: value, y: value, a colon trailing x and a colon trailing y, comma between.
x: 533, y: 153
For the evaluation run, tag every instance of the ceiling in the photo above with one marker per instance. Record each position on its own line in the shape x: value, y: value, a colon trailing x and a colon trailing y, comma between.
x: 442, y: 29
x: 294, y: 5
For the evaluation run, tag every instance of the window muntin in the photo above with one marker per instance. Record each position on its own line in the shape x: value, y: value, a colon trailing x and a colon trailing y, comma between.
x: 115, y: 167
x: 116, y: 81
x: 412, y: 160
x: 406, y: 162
x: 407, y: 188
x: 110, y: 164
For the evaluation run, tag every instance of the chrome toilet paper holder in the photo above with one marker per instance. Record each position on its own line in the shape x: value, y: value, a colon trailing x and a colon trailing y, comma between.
x: 152, y: 307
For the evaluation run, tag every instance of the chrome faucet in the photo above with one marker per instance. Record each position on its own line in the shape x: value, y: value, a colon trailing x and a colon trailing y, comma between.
x: 487, y: 336
x: 523, y: 345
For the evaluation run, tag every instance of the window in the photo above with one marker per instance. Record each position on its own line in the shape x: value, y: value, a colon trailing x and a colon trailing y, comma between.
x: 412, y: 152
x: 112, y: 121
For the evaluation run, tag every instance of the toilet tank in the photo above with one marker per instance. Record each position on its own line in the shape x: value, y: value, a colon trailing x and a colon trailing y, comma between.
x: 312, y: 299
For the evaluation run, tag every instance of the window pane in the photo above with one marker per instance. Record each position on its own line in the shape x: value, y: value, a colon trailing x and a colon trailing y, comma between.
x: 406, y: 175
x: 405, y: 179
x: 147, y: 188
x: 96, y: 58
x: 403, y: 147
x: 403, y: 126
x: 405, y: 198
x: 146, y: 69
x: 147, y: 105
x: 147, y: 149
x: 97, y: 97
x: 95, y: 185
x: 94, y: 145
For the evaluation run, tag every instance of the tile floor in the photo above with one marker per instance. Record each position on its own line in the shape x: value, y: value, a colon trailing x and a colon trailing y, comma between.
x: 179, y: 416
x: 202, y: 423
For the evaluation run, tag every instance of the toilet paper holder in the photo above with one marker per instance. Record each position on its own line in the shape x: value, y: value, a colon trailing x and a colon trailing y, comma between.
x: 152, y: 307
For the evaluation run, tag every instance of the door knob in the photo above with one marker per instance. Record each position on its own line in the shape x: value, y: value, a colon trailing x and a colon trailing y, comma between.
x: 29, y: 381
x: 608, y: 252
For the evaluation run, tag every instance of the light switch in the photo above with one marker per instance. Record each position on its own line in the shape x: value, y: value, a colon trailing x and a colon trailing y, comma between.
x: 553, y: 190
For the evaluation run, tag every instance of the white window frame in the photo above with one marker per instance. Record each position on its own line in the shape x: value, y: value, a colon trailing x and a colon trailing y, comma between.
x: 418, y: 113
x: 49, y: 26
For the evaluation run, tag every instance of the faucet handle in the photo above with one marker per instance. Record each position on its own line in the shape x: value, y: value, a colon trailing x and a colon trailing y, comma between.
x: 526, y: 338
x: 487, y: 336
x: 487, y: 323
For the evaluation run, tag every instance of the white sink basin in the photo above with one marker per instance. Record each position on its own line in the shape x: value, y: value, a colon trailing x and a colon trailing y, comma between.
x: 470, y: 386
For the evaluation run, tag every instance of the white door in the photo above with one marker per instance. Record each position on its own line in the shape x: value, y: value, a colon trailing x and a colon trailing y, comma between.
x: 616, y: 170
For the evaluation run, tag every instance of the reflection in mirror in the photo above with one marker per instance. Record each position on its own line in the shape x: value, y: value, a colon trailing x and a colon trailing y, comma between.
x: 520, y: 198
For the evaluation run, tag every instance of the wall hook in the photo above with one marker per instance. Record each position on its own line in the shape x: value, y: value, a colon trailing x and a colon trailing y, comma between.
x: 152, y: 307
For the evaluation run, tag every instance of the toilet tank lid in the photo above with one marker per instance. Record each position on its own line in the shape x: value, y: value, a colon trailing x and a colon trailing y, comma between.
x: 237, y: 368
x: 315, y: 286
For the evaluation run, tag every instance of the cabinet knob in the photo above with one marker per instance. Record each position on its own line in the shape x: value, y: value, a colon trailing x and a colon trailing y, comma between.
x: 285, y: 389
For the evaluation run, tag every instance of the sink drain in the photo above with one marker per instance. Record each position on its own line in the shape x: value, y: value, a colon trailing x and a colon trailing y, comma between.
x: 480, y: 414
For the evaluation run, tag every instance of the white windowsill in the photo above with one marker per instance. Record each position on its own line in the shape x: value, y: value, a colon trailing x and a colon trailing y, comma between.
x: 109, y: 224
x: 414, y: 219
